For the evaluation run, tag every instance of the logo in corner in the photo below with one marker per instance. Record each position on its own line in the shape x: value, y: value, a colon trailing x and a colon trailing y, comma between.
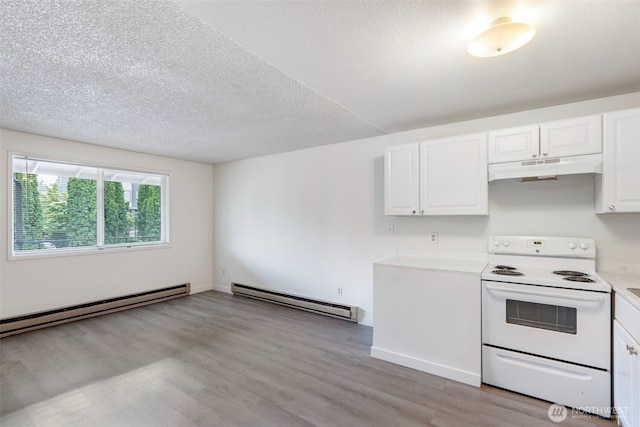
x: 557, y: 413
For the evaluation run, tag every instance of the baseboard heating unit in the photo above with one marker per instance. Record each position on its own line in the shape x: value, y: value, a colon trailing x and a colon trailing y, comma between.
x: 294, y: 301
x: 29, y: 322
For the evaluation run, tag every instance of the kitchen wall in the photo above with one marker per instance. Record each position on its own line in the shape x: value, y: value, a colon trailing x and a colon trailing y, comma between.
x: 311, y: 221
x: 30, y: 285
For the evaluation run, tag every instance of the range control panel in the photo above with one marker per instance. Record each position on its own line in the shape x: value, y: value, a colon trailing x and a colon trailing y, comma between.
x: 572, y: 247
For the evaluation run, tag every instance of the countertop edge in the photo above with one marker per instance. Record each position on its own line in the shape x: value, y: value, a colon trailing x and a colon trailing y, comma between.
x: 621, y: 284
x: 439, y: 264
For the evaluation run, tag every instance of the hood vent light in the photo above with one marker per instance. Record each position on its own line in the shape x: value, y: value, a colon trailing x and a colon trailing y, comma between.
x: 540, y: 178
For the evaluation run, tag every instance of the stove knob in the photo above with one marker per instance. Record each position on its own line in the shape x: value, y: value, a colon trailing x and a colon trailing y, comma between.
x: 496, y: 242
x: 584, y: 246
x: 506, y: 243
x: 572, y: 245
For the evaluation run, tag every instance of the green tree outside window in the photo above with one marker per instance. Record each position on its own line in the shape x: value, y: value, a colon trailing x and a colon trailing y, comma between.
x: 28, y: 225
x: 116, y: 218
x: 148, y: 219
x: 54, y: 208
x: 81, y: 212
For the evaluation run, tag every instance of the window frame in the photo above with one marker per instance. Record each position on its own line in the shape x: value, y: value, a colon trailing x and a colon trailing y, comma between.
x: 100, y: 245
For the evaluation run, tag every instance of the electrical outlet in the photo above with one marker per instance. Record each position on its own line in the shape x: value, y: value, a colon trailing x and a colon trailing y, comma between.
x: 433, y: 237
x: 340, y: 291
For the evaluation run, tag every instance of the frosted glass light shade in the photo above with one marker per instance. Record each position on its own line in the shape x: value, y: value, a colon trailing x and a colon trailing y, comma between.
x: 504, y: 36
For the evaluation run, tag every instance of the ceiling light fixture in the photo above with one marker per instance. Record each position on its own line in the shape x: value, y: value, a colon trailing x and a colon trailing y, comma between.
x: 502, y: 37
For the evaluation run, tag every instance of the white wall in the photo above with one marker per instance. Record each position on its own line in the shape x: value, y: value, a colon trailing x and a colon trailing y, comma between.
x: 310, y: 221
x: 30, y: 285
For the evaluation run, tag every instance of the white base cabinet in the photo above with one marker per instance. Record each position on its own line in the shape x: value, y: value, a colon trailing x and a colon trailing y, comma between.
x: 618, y: 188
x: 626, y: 363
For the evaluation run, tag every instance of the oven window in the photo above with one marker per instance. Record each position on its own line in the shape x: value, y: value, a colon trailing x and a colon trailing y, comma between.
x: 543, y: 316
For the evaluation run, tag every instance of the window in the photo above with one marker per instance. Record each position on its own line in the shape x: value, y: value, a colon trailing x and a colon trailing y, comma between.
x: 61, y: 207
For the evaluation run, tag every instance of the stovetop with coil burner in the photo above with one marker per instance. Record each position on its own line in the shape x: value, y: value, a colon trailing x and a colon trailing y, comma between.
x: 544, y: 261
x: 535, y: 275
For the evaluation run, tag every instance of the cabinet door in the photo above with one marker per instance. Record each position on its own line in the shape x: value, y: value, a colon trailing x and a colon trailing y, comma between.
x: 618, y: 189
x: 625, y: 376
x: 514, y: 144
x: 582, y: 135
x: 453, y: 176
x: 635, y: 397
x: 401, y: 180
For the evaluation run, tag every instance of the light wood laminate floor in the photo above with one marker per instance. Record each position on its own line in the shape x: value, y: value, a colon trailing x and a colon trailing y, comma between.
x: 213, y: 359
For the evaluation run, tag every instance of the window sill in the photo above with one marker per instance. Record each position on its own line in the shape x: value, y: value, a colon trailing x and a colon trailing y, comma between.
x: 21, y: 256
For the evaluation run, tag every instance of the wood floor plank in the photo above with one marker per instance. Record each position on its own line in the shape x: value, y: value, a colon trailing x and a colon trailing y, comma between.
x: 213, y: 359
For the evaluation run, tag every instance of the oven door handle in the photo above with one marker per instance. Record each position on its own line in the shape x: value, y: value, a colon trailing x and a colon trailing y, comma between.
x: 546, y: 294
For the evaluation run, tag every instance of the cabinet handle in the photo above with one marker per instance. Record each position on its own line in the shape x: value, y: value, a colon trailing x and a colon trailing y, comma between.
x: 422, y: 212
x: 534, y: 155
x: 414, y: 212
x: 612, y: 207
x: 544, y: 154
x: 631, y: 350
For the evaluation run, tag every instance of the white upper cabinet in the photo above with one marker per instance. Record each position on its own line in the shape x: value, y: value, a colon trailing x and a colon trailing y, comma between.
x: 563, y: 138
x: 401, y: 180
x: 573, y: 137
x: 514, y: 144
x: 618, y: 188
x: 453, y: 176
x: 439, y: 177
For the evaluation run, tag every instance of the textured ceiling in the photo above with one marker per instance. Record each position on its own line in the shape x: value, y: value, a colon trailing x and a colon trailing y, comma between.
x: 223, y: 80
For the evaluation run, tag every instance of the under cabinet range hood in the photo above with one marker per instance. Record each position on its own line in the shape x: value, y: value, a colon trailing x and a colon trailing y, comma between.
x: 543, y: 169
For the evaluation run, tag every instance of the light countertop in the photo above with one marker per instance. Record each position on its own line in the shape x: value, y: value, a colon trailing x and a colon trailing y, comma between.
x: 621, y: 284
x: 428, y: 263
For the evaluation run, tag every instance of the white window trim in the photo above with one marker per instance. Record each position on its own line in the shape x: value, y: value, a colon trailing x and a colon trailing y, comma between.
x: 100, y: 246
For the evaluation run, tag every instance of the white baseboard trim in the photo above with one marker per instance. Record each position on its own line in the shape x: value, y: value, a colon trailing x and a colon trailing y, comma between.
x: 198, y: 289
x: 222, y: 288
x: 449, y: 372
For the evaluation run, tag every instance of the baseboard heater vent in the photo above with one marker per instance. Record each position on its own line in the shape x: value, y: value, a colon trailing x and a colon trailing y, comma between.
x: 29, y: 322
x: 316, y: 306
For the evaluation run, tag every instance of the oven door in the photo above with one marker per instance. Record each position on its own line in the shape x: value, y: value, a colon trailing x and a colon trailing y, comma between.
x: 563, y: 324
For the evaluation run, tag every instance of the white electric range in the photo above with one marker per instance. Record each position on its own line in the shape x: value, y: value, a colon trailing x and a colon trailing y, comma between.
x: 546, y: 321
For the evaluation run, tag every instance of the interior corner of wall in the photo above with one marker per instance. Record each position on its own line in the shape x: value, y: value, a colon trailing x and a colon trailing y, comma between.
x: 201, y: 288
x: 221, y: 288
